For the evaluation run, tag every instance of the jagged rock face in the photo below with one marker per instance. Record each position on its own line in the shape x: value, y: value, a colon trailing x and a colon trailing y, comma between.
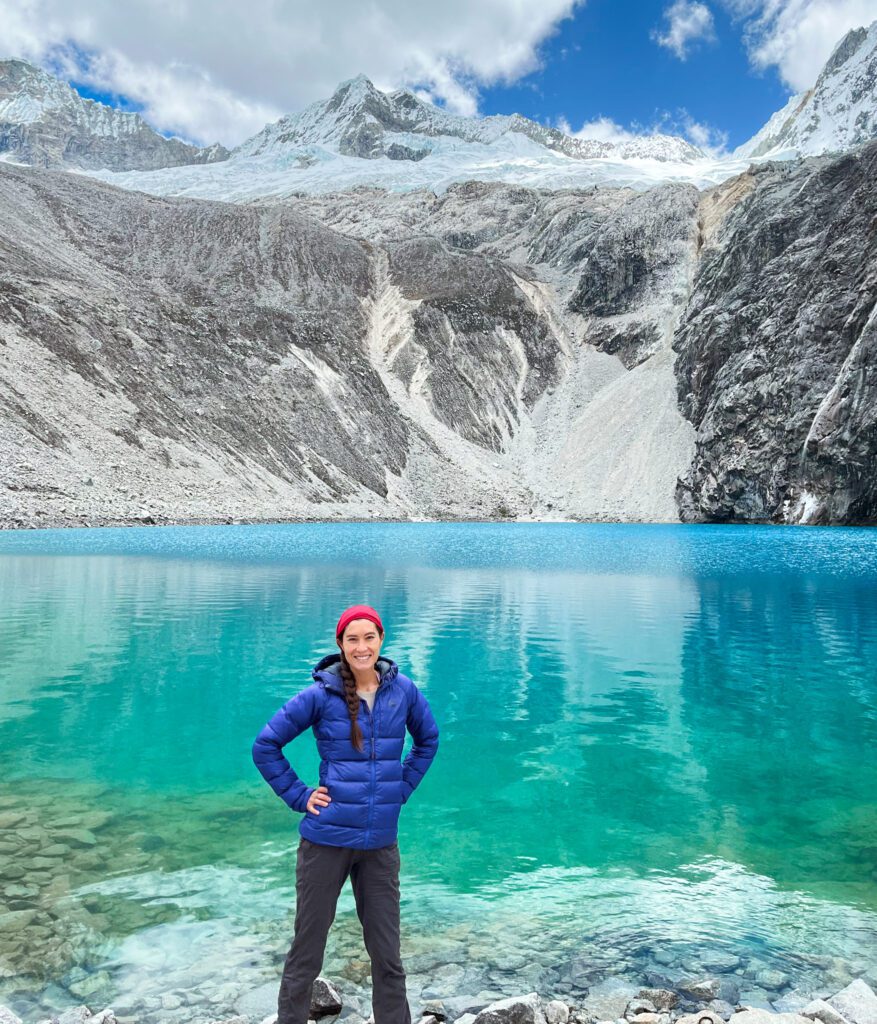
x: 620, y: 261
x: 419, y: 354
x: 45, y: 123
x: 631, y: 256
x: 253, y: 340
x: 776, y: 351
x: 229, y: 330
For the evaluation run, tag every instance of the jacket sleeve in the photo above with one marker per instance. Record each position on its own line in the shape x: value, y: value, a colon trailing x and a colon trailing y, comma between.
x: 423, y: 728
x: 293, y: 718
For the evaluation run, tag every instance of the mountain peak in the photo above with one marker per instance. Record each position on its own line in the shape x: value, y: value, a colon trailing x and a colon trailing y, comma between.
x: 845, y: 50
x: 838, y: 113
x: 351, y: 92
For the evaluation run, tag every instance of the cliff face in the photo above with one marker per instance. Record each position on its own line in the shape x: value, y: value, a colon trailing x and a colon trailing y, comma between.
x: 776, y: 350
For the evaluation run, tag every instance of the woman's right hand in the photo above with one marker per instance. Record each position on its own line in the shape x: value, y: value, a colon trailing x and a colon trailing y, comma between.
x: 319, y: 798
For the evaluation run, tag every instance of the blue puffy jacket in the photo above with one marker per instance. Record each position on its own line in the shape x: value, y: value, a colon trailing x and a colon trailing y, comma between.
x: 367, y: 787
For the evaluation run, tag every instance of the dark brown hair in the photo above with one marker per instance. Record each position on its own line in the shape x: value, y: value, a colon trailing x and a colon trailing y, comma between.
x: 351, y: 695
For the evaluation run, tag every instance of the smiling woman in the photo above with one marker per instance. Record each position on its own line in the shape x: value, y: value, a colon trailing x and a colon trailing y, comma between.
x: 359, y: 707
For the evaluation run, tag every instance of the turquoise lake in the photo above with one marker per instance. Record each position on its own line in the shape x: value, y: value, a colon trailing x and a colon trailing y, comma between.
x: 657, y: 757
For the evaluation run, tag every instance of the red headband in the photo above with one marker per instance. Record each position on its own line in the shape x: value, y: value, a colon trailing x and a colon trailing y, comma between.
x: 357, y: 611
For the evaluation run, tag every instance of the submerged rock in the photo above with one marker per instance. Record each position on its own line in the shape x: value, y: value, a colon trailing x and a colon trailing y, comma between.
x: 660, y: 998
x: 703, y: 989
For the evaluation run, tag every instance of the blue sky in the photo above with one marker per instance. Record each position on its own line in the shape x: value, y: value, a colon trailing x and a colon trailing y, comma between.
x: 603, y: 62
x: 218, y: 70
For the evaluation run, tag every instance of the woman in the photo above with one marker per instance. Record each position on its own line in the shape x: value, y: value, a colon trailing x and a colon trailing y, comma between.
x: 359, y: 707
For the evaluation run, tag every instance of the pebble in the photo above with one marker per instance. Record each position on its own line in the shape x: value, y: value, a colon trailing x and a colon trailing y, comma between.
x: 56, y: 850
x: 77, y: 837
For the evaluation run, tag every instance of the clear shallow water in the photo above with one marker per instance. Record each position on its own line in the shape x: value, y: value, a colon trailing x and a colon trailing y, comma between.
x: 657, y: 755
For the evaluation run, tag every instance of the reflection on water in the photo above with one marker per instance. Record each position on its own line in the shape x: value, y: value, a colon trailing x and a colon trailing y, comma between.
x: 652, y: 739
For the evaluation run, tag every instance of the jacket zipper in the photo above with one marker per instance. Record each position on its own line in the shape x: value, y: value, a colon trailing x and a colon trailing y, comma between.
x: 371, y: 806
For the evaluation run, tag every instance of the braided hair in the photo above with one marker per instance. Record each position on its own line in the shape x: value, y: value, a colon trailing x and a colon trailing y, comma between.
x: 352, y: 702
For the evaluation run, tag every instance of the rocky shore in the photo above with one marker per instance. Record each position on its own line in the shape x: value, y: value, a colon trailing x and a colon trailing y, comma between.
x: 704, y: 1000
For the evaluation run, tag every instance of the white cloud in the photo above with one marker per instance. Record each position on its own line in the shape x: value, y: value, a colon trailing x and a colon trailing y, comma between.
x: 601, y: 129
x: 688, y: 22
x: 713, y: 141
x: 219, y: 69
x: 797, y: 36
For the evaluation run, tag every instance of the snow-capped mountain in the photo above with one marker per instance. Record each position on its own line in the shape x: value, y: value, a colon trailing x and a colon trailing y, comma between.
x: 838, y: 113
x: 359, y: 120
x: 46, y: 123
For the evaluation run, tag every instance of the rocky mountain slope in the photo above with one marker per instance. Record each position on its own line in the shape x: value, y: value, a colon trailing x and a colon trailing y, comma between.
x: 492, y: 351
x: 837, y: 114
x: 46, y: 123
x: 161, y: 355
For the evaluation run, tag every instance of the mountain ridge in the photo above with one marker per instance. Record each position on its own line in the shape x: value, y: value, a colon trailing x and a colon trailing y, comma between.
x: 44, y: 122
x: 358, y: 114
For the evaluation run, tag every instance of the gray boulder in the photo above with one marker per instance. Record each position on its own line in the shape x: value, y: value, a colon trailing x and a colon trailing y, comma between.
x: 857, y: 1002
x: 701, y: 1017
x: 556, y: 1012
x: 819, y: 1009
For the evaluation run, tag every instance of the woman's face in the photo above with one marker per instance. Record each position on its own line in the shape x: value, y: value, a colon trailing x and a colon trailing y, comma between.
x: 361, y: 643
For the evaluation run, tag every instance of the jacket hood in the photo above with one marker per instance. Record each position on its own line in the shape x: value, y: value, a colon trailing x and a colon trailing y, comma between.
x: 328, y: 671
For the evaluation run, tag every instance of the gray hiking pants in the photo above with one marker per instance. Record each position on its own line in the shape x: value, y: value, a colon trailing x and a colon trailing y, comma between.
x: 320, y: 872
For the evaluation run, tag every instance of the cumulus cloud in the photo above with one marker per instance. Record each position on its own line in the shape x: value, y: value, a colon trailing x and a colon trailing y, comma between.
x: 601, y: 129
x: 218, y: 69
x: 797, y: 36
x: 713, y: 141
x: 688, y: 23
